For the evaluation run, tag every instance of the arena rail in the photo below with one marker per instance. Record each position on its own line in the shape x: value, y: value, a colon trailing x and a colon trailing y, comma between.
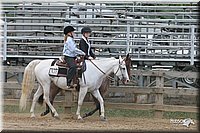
x: 103, y: 1
x: 27, y: 30
x: 159, y: 90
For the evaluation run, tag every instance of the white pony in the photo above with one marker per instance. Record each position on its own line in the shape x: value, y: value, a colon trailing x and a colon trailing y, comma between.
x: 94, y: 75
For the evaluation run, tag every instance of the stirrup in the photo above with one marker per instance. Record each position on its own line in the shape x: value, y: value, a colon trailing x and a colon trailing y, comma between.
x: 68, y: 88
x: 74, y: 85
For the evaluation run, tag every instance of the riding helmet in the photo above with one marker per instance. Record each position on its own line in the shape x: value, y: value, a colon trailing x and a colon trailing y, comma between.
x: 68, y: 29
x: 86, y: 30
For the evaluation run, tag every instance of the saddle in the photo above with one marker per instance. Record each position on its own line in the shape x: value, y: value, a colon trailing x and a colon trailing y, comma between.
x: 59, y: 68
x: 61, y: 62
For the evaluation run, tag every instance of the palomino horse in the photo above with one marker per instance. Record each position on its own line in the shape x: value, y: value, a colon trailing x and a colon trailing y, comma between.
x: 54, y: 90
x: 96, y: 71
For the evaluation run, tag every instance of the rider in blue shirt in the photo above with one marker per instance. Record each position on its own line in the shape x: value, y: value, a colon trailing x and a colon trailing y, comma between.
x: 70, y: 51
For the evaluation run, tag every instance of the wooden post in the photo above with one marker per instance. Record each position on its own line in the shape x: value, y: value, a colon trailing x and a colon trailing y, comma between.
x: 74, y: 96
x: 148, y: 82
x: 68, y: 103
x: 159, y: 101
x: 20, y: 77
x: 159, y: 96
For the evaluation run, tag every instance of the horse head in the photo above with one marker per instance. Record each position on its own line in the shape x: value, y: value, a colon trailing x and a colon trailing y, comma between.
x: 121, y: 70
x: 128, y: 64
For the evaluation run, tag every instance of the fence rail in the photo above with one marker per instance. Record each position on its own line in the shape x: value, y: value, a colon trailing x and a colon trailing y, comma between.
x: 132, y: 106
x: 158, y: 90
x: 148, y: 32
x: 153, y: 32
x: 108, y: 1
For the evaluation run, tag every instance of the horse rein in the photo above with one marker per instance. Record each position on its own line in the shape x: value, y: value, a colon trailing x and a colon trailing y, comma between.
x: 109, y: 77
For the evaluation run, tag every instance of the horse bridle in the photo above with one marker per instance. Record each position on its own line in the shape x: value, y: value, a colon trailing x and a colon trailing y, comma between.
x: 109, y: 77
x: 120, y: 68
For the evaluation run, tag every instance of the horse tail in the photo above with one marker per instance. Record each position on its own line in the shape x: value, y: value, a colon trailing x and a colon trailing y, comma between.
x: 28, y: 82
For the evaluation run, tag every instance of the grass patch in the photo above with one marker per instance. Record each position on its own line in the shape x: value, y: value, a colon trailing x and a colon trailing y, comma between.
x: 108, y: 113
x: 15, y: 109
x: 181, y: 115
x: 129, y: 113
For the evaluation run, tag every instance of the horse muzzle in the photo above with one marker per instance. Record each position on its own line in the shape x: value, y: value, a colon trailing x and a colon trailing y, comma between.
x: 125, y: 80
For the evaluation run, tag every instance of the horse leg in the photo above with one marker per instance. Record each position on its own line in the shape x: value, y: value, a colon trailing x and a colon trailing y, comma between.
x: 90, y: 113
x: 46, y: 111
x: 93, y: 111
x: 103, y: 88
x: 35, y: 98
x: 46, y: 99
x: 98, y: 106
x: 82, y: 93
x: 54, y: 90
x: 97, y: 95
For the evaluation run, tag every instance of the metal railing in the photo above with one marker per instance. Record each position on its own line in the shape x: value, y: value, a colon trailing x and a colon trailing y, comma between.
x: 145, y: 38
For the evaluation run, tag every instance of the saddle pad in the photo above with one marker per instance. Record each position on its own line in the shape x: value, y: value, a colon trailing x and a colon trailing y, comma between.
x: 57, y: 71
x: 83, y: 67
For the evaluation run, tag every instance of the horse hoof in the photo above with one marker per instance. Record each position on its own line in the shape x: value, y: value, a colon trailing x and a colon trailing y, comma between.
x: 57, y: 117
x: 42, y: 114
x: 85, y: 115
x: 80, y: 119
x: 32, y: 116
x: 102, y: 118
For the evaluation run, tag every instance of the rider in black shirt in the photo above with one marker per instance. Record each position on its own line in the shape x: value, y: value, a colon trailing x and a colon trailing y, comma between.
x: 85, y: 45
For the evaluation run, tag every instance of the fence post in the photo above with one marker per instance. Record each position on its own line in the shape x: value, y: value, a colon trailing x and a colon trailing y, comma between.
x: 5, y: 46
x: 5, y: 40
x: 128, y: 38
x: 159, y: 96
x: 192, y: 46
x: 68, y: 103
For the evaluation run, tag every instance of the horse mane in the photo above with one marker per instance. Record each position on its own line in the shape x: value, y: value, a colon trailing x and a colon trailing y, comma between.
x: 101, y: 59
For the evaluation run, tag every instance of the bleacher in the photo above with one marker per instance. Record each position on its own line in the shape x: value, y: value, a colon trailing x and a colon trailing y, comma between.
x: 149, y: 31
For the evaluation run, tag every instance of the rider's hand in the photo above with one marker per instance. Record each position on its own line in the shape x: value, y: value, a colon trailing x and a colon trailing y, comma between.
x: 78, y: 57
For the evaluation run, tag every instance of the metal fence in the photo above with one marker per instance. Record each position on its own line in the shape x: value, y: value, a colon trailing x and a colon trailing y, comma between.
x: 149, y: 31
x: 155, y: 33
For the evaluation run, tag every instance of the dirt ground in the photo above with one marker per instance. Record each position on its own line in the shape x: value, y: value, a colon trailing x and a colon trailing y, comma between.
x: 22, y: 121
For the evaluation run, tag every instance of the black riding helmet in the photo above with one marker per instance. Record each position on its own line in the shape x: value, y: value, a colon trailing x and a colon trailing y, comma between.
x: 86, y: 30
x: 68, y: 29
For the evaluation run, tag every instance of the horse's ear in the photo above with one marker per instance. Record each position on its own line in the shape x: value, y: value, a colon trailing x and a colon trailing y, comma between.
x: 127, y: 56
